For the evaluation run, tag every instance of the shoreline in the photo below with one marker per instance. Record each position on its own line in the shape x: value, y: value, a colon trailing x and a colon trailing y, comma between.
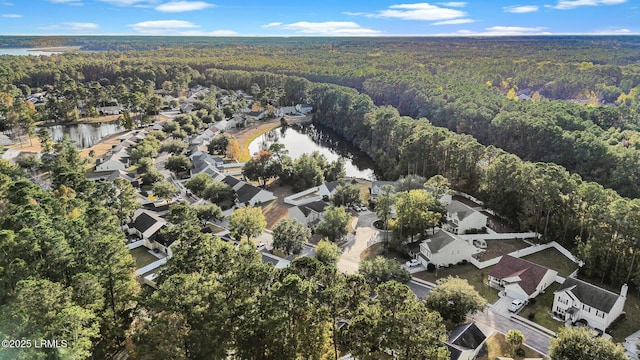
x: 56, y: 49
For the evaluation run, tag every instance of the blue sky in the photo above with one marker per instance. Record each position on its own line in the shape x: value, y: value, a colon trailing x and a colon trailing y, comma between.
x: 317, y: 18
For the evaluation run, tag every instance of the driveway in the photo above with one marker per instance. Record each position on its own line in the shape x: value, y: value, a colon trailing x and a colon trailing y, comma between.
x: 502, y: 306
x: 349, y: 261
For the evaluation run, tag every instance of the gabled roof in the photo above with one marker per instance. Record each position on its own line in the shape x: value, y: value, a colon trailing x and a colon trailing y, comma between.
x: 530, y: 274
x: 317, y: 206
x: 377, y: 185
x: 231, y: 181
x: 589, y: 294
x: 465, y: 337
x: 461, y: 209
x: 247, y: 192
x: 439, y: 240
x: 332, y: 185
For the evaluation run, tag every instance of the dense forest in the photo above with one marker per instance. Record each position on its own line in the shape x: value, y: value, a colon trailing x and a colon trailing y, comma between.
x: 544, y: 130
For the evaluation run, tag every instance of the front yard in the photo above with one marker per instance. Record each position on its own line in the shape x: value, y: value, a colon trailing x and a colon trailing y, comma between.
x: 477, y: 278
x: 539, y: 310
x: 497, y: 346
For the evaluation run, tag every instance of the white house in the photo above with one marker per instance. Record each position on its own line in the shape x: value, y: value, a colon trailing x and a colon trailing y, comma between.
x: 462, y: 218
x: 521, y: 279
x: 304, y: 108
x: 328, y: 189
x: 580, y: 302
x: 444, y: 249
x: 250, y: 194
x: 109, y: 110
x: 114, y: 161
x: 465, y: 342
x: 308, y: 214
x: 376, y: 188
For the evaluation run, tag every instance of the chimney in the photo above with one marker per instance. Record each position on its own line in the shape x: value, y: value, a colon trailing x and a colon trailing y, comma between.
x: 623, y: 291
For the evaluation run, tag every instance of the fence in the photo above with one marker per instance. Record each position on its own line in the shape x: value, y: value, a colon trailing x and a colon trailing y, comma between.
x: 296, y: 200
x: 527, y: 251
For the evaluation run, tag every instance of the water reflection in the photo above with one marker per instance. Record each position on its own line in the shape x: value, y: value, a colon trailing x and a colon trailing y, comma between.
x: 84, y: 135
x: 309, y: 138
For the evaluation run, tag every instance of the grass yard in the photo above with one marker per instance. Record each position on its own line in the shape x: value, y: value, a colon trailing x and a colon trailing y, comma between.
x: 541, y: 309
x: 553, y: 259
x: 497, y: 346
x: 142, y: 256
x: 477, y: 278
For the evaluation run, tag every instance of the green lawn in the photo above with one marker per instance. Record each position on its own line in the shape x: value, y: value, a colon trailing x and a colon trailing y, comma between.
x: 142, y: 256
x: 476, y: 278
x: 541, y: 309
x: 553, y: 259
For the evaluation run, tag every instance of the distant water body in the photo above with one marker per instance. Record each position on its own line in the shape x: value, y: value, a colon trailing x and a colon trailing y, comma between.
x: 25, y: 52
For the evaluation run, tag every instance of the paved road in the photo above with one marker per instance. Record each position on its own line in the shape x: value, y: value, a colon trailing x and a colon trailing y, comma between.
x: 532, y: 338
x: 419, y: 289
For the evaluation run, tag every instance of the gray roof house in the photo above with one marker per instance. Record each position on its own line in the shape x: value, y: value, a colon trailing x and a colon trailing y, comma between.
x: 308, y: 214
x: 580, y: 302
x: 444, y: 249
x: 465, y: 341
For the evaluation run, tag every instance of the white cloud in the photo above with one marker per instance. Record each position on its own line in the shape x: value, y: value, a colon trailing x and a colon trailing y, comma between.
x: 273, y: 24
x: 129, y: 2
x: 182, y: 6
x: 72, y: 26
x: 572, y: 4
x: 516, y: 30
x: 453, y: 4
x: 162, y: 26
x: 521, y: 9
x: 328, y: 28
x: 614, y: 31
x: 454, y: 22
x: 419, y: 11
x: 10, y: 16
x: 67, y: 2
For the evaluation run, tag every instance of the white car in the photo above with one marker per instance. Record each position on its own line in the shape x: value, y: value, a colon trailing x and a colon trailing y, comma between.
x: 412, y: 263
x: 261, y: 246
x: 516, y: 305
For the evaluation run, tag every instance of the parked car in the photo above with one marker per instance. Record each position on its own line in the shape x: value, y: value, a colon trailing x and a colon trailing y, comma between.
x: 261, y: 246
x: 412, y: 263
x: 516, y: 305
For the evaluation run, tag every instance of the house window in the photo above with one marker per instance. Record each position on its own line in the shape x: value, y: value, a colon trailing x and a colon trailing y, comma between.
x: 586, y: 308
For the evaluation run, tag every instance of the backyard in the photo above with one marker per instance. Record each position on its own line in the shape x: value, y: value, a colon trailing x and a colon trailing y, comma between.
x: 553, y: 259
x: 497, y: 248
x: 142, y: 256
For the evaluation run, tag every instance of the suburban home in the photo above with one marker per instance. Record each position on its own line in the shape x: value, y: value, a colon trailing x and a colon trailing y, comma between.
x: 109, y: 110
x: 580, y: 302
x: 328, y: 189
x: 146, y: 225
x: 444, y: 249
x: 521, y: 279
x: 376, y: 188
x: 278, y: 262
x: 465, y: 342
x: 308, y: 214
x: 257, y: 115
x: 118, y: 160
x: 247, y: 193
x: 304, y: 109
x: 121, y: 174
x: 462, y: 218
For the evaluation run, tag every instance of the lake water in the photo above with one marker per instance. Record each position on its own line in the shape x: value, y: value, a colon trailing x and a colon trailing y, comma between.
x: 309, y: 138
x: 25, y: 51
x: 84, y: 135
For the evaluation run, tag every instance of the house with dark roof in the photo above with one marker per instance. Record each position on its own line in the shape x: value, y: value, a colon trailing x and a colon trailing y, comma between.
x: 580, y: 302
x: 462, y: 218
x: 247, y: 193
x: 308, y: 214
x: 444, y: 249
x: 521, y: 279
x: 328, y: 189
x: 276, y: 261
x: 465, y: 342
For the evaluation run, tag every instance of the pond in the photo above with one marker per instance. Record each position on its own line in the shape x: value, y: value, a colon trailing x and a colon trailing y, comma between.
x: 306, y: 139
x: 84, y: 135
x: 25, y: 51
